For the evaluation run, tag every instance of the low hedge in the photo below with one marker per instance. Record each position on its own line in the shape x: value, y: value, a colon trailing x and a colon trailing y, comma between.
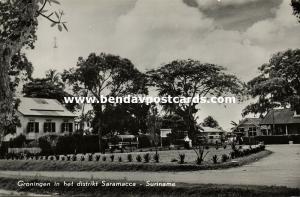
x: 273, y: 139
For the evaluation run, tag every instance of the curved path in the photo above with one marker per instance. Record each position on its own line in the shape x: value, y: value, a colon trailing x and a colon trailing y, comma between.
x: 282, y: 168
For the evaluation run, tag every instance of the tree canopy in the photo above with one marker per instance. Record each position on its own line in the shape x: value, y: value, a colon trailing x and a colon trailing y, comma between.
x: 278, y: 83
x: 18, y: 21
x: 189, y: 78
x: 209, y: 121
x: 50, y: 87
x: 105, y: 75
x: 296, y: 8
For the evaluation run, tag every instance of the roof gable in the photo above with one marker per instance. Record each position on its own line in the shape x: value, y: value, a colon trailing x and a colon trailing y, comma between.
x: 249, y: 121
x: 42, y: 107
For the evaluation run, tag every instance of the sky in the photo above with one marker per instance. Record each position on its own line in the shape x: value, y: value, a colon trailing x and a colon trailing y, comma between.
x: 240, y: 35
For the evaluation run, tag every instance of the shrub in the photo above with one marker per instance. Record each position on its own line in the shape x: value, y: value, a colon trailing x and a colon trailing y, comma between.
x: 181, y: 158
x: 129, y: 158
x: 138, y: 158
x: 82, y: 158
x: 112, y: 158
x: 156, y: 157
x: 215, y: 159
x: 199, y: 160
x: 146, y: 157
x: 63, y: 158
x: 174, y: 160
x: 57, y: 157
x: 45, y: 145
x: 225, y: 158
x: 97, y: 157
x: 90, y: 157
x: 206, y: 147
x: 74, y: 158
x: 247, y: 152
x: 51, y: 158
x: 120, y: 159
x: 225, y: 146
x: 68, y: 158
x: 104, y: 158
x: 187, y: 145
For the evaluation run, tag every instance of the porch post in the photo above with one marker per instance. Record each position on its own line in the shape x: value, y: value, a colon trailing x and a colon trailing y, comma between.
x: 286, y: 130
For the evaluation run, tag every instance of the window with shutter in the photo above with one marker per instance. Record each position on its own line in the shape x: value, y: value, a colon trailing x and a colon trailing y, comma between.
x: 33, y: 127
x: 36, y: 127
x: 70, y: 127
x: 62, y: 127
x: 53, y: 127
x: 45, y: 127
x: 28, y: 127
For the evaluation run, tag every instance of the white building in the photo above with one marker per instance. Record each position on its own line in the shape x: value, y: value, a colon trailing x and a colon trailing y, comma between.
x: 40, y: 117
x: 213, y: 135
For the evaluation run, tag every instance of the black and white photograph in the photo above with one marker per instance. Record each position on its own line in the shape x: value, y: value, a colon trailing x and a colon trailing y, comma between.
x: 150, y: 98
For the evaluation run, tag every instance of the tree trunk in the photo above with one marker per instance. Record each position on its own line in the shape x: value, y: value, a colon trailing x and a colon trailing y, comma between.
x: 101, y: 149
x: 6, y: 98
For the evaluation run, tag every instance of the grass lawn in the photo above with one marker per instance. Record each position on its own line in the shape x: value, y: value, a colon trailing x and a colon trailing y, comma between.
x: 181, y: 189
x: 164, y: 165
x: 167, y: 156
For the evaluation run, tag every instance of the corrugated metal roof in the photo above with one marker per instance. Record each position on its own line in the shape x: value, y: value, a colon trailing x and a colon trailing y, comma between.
x: 43, y: 107
x: 280, y: 116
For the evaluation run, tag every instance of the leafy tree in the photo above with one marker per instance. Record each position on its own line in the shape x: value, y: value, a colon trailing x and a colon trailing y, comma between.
x: 125, y: 117
x: 106, y: 75
x: 191, y: 78
x: 233, y: 123
x: 18, y: 21
x: 20, y: 71
x: 154, y: 124
x: 50, y: 87
x: 277, y: 85
x: 296, y: 8
x: 174, y: 122
x: 209, y: 121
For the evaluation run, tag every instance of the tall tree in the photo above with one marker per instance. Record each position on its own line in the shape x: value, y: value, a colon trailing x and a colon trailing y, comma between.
x: 174, y: 122
x: 278, y: 84
x: 18, y: 21
x: 154, y: 123
x: 20, y: 71
x: 50, y: 87
x: 191, y: 78
x: 106, y: 75
x: 296, y: 8
x: 209, y: 121
x: 125, y: 117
